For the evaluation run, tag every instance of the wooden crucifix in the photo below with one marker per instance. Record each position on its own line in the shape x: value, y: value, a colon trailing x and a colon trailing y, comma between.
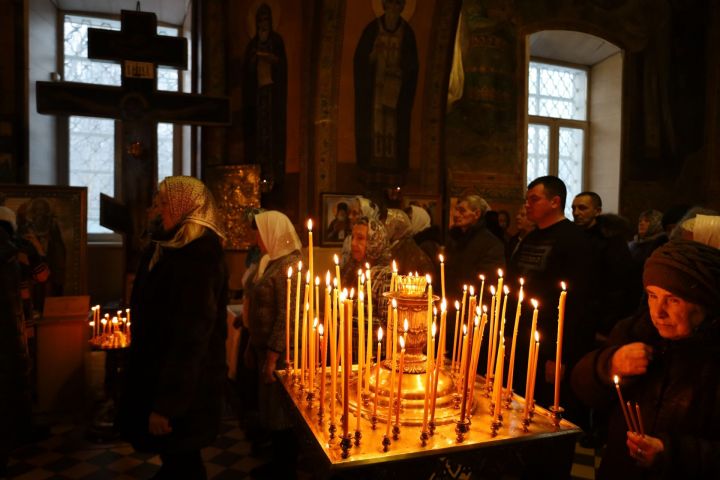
x: 139, y: 106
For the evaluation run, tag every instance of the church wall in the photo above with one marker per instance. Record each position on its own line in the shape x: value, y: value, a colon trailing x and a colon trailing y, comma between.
x: 42, y: 31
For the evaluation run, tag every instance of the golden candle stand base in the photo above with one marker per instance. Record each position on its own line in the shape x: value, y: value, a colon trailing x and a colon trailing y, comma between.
x: 358, y: 437
x: 556, y: 415
x: 396, y: 432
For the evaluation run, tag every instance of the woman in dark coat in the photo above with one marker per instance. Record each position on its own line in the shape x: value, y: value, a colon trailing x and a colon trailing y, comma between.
x: 176, y: 366
x: 266, y: 295
x: 668, y: 359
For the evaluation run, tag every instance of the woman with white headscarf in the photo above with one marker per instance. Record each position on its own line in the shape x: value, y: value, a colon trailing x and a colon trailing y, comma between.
x: 175, y: 375
x: 266, y: 301
x: 403, y: 249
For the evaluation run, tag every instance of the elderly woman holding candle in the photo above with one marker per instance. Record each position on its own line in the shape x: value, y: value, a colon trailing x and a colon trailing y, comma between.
x: 266, y: 293
x: 175, y: 374
x: 667, y: 360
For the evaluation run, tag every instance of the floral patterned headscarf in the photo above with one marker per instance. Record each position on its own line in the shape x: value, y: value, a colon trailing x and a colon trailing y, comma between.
x: 190, y: 201
x: 377, y: 250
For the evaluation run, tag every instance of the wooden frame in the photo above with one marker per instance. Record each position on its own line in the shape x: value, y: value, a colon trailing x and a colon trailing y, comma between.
x: 57, y: 216
x: 431, y: 203
x: 332, y: 233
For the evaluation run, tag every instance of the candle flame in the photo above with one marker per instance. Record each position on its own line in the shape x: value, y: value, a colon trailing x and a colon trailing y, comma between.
x: 315, y: 323
x: 309, y: 224
x: 506, y: 289
x: 484, y: 308
x: 500, y: 272
x: 394, y: 266
x: 307, y: 306
x: 563, y: 285
x: 92, y: 324
x: 464, y: 288
x: 537, y: 336
x: 127, y: 310
x: 402, y: 343
x: 435, y: 311
x: 336, y: 259
x: 335, y: 282
x: 321, y: 330
x: 521, y: 295
x: 433, y: 330
x: 289, y: 272
x: 478, y: 310
x: 103, y: 321
x: 442, y: 259
x: 481, y: 277
x: 406, y: 325
x: 343, y: 295
x: 616, y: 379
x: 299, y: 266
x: 464, y: 329
x: 428, y: 278
x: 359, y: 271
x: 492, y: 290
x: 352, y: 293
x: 522, y: 281
x: 394, y: 303
x: 327, y: 278
x: 367, y: 266
x: 534, y: 303
x: 307, y: 276
x: 114, y: 320
x: 380, y: 336
x: 477, y: 321
x: 362, y: 279
x: 443, y: 305
x: 472, y: 290
x: 457, y: 305
x: 361, y: 296
x: 317, y: 281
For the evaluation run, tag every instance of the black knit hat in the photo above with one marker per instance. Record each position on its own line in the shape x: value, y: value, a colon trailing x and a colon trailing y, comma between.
x: 688, y: 269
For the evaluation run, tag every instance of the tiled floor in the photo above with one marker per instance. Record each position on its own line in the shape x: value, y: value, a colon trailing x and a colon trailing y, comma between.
x: 67, y: 454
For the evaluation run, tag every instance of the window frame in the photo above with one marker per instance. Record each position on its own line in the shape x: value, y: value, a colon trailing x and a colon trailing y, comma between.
x: 63, y: 123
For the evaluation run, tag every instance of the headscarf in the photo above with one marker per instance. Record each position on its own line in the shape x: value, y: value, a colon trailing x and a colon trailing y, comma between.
x: 8, y: 215
x: 190, y: 201
x: 654, y: 219
x: 278, y: 234
x: 419, y: 219
x: 688, y: 269
x: 191, y: 206
x: 368, y: 208
x: 707, y: 230
x: 377, y: 251
x: 397, y: 225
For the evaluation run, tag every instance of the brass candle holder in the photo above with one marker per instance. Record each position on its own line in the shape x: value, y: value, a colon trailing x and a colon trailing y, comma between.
x: 556, y: 415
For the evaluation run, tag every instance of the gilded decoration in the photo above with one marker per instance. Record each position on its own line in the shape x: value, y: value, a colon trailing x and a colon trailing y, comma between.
x: 237, y: 192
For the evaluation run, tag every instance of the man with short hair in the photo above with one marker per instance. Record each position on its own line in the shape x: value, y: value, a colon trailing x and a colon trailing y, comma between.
x: 471, y: 248
x: 585, y: 209
x: 556, y: 251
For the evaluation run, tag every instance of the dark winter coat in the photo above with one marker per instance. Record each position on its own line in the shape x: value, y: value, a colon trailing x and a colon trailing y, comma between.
x: 469, y: 254
x: 176, y: 364
x: 679, y: 398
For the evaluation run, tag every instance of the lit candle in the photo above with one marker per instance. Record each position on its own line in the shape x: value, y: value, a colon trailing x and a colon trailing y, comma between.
x: 287, y: 318
x: 391, y: 340
x: 530, y: 389
x: 333, y: 361
x: 466, y: 373
x: 455, y: 335
x: 337, y: 272
x: 464, y: 354
x: 304, y: 334
x: 499, y: 292
x: 501, y: 334
x: 442, y: 275
x: 311, y: 269
x: 341, y: 341
x: 316, y: 297
x: 558, y: 353
x: 482, y: 289
x: 491, y: 336
x: 323, y: 348
x: 616, y: 379
x: 533, y: 328
x: 296, y: 339
x: 346, y: 370
x: 368, y: 350
x: 91, y: 324
x: 361, y: 338
x: 377, y: 371
x: 429, y: 314
x: 480, y: 339
x: 114, y: 324
x: 401, y: 340
x: 498, y: 380
x: 462, y: 322
x: 392, y: 370
x: 514, y: 339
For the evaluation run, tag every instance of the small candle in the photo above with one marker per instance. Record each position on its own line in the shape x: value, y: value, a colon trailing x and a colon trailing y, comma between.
x: 442, y: 275
x: 639, y: 419
x: 440, y: 358
x: 514, y: 338
x: 480, y: 338
x: 491, y: 336
x: 498, y: 380
x: 455, y: 334
x: 501, y: 323
x: 531, y: 346
x: 466, y: 373
x: 287, y: 318
x: 499, y: 291
x: 377, y: 372
x: 346, y: 372
x: 103, y: 325
x: 429, y: 313
x: 311, y: 269
x: 462, y: 322
x: 296, y: 339
x: 392, y: 370
x: 333, y: 362
x: 616, y: 379
x: 401, y: 340
x: 482, y: 289
x: 530, y: 391
x: 323, y: 348
x: 114, y: 324
x: 304, y: 335
x: 558, y: 352
x: 312, y: 365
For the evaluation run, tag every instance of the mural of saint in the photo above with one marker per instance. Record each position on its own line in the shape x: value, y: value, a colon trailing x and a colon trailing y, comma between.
x: 385, y: 70
x: 265, y: 98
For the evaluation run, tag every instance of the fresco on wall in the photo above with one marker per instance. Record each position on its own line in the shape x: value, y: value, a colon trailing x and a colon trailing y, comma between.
x: 265, y: 96
x: 385, y: 71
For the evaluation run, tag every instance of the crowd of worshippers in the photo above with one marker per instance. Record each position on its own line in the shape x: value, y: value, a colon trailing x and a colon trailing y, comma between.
x: 643, y: 307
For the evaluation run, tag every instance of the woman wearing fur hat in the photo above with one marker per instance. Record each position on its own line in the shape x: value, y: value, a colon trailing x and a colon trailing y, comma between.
x: 668, y: 359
